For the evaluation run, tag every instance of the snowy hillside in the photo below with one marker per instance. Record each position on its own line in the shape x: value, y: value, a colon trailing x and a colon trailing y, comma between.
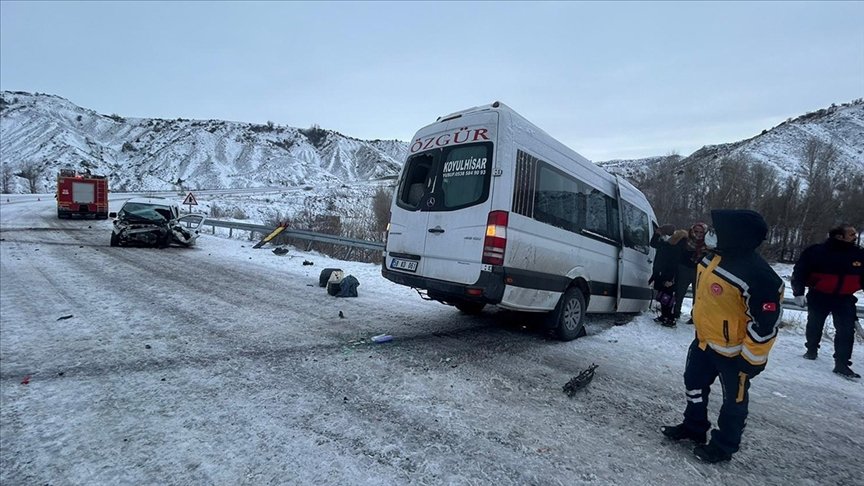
x: 630, y: 168
x: 841, y: 126
x: 782, y: 146
x: 158, y: 154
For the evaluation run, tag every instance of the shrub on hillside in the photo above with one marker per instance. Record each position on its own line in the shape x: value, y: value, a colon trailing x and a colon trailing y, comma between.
x: 316, y: 135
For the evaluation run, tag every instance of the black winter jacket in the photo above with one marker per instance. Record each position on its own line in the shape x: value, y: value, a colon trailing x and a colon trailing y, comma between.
x: 834, y: 267
x: 665, y: 262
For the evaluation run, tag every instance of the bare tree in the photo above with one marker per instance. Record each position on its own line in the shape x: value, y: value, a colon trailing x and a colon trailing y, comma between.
x: 31, y: 172
x: 851, y: 199
x: 819, y: 206
x: 695, y: 183
x: 381, y: 209
x: 798, y: 211
x: 731, y: 189
x: 781, y: 213
x: 6, y: 178
x: 660, y: 185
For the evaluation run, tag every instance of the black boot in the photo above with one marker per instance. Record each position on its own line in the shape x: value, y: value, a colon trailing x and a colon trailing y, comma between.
x: 810, y: 354
x: 845, y: 371
x: 681, y: 432
x: 712, y: 453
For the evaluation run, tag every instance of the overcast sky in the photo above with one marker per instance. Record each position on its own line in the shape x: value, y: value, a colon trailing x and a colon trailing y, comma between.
x: 611, y: 80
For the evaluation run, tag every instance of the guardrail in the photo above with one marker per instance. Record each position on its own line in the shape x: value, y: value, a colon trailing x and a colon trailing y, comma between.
x: 790, y: 305
x: 265, y: 230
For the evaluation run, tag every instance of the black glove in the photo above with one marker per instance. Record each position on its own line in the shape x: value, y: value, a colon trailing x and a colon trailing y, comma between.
x: 748, y: 369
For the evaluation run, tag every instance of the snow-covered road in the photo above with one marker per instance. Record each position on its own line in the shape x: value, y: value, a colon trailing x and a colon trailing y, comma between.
x: 226, y: 365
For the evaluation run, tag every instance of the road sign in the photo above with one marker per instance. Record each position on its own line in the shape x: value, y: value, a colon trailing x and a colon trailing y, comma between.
x: 190, y: 200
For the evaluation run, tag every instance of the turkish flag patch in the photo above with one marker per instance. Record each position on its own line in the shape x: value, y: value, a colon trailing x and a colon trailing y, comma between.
x: 769, y: 307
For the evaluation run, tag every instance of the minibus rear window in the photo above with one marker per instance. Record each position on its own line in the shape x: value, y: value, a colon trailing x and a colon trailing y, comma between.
x: 465, y: 176
x: 417, y: 179
x: 447, y: 179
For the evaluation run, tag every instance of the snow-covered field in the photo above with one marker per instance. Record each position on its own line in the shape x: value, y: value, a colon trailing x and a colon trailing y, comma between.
x: 226, y: 365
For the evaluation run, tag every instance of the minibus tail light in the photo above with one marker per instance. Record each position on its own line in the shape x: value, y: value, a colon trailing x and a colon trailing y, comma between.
x: 387, y: 228
x: 496, y: 238
x: 387, y: 232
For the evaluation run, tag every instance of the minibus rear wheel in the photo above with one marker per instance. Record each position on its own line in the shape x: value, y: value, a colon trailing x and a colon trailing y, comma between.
x: 472, y: 308
x: 568, y: 318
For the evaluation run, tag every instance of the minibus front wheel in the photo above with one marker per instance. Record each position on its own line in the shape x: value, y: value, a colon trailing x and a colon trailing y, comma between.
x: 568, y: 318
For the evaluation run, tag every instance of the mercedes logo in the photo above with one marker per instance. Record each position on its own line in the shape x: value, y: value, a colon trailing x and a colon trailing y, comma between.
x: 430, y: 202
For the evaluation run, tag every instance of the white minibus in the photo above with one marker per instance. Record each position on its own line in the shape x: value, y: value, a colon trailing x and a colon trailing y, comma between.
x: 489, y: 209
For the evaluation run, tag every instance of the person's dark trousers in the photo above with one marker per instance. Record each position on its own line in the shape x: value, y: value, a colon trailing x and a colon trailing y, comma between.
x: 701, y: 370
x: 842, y: 309
x: 684, y: 277
x: 666, y: 311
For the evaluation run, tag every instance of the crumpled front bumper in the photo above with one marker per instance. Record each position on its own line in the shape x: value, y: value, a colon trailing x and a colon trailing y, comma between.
x: 142, y: 233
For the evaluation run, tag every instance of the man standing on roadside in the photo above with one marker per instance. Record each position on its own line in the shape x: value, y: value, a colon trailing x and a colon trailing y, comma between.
x: 834, y: 271
x: 693, y: 248
x: 736, y: 311
x: 664, y: 270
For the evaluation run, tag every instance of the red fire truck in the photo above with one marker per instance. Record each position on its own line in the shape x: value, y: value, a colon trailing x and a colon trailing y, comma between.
x: 81, y: 194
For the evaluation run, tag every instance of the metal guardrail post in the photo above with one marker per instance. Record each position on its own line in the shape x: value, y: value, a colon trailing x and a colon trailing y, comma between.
x: 310, y: 236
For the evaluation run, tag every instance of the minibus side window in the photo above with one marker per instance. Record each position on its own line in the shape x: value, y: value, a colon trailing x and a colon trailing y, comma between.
x: 559, y: 200
x: 636, y: 227
x: 523, y: 184
x: 564, y: 201
x: 602, y: 215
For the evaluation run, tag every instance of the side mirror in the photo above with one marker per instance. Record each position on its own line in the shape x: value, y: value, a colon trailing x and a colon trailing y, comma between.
x: 112, y: 214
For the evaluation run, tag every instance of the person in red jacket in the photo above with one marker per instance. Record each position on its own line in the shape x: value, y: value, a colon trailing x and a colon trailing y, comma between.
x: 736, y: 312
x: 834, y: 271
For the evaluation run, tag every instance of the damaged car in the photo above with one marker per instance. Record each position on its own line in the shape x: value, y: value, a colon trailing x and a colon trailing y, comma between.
x: 154, y: 222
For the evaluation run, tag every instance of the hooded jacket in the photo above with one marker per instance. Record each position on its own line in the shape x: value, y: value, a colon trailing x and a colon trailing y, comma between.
x: 667, y: 258
x: 738, y: 295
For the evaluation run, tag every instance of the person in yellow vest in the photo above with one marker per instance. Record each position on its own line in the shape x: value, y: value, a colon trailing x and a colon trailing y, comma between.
x: 736, y: 312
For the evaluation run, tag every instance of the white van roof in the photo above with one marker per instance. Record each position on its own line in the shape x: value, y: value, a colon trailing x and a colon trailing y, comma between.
x: 518, y: 120
x: 527, y: 126
x: 490, y: 106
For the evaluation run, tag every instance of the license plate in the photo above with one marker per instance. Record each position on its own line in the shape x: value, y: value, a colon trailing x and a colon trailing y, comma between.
x: 406, y: 265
